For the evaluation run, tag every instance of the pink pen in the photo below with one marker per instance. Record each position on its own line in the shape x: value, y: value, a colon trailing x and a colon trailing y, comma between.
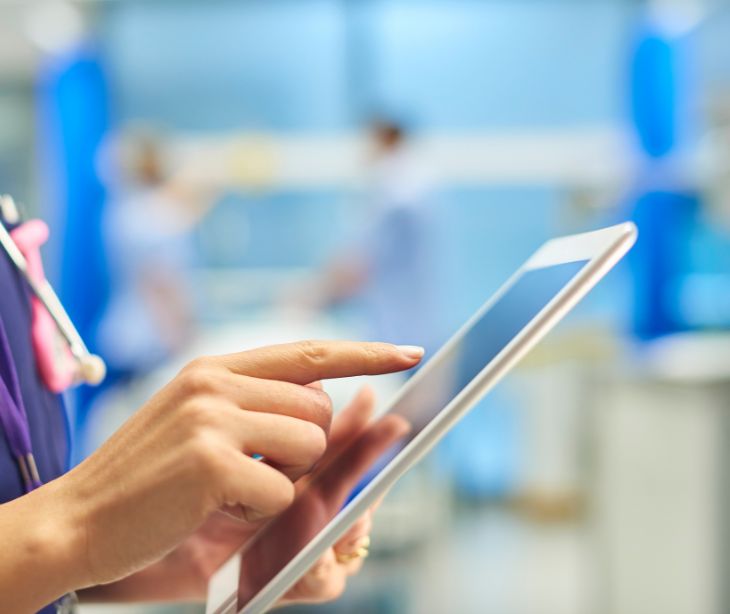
x: 54, y: 360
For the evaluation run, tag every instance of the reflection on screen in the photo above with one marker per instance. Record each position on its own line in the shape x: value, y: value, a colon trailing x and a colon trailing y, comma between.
x: 440, y: 381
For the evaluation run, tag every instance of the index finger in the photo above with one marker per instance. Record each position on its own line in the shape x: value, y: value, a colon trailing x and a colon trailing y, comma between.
x: 305, y: 362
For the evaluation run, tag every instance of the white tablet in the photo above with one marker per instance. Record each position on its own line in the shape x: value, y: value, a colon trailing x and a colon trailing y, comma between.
x: 531, y: 303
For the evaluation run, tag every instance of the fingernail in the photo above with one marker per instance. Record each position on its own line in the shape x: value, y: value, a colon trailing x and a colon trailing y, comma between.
x: 412, y: 351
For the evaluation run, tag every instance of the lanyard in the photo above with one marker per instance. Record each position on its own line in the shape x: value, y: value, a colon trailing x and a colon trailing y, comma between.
x: 14, y: 421
x: 13, y: 417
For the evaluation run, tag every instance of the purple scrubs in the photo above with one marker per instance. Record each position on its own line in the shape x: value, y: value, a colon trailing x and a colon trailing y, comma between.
x: 46, y: 415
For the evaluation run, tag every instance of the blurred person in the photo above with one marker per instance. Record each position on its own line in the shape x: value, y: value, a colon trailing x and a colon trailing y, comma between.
x: 148, y: 226
x: 390, y: 265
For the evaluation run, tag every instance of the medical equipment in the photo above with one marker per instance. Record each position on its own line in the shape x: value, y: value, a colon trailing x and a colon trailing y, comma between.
x: 91, y: 367
x: 54, y: 360
x: 9, y: 210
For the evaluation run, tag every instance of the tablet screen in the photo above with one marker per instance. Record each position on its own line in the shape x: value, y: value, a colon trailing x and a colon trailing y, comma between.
x: 441, y: 380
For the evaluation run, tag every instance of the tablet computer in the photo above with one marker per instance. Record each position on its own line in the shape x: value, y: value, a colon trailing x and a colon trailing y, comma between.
x: 531, y: 303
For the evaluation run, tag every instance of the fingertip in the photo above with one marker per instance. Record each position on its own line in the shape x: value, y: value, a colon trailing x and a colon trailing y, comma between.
x: 412, y: 352
x: 362, y: 404
x: 365, y: 395
x: 395, y: 426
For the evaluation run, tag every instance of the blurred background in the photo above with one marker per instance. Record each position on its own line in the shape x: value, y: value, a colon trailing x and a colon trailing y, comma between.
x: 222, y: 174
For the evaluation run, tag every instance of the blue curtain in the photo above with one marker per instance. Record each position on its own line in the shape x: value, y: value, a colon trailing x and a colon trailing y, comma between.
x: 664, y: 206
x: 73, y: 120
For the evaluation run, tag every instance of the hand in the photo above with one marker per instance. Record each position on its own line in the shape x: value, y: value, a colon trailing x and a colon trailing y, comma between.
x: 220, y: 537
x: 327, y: 579
x: 191, y: 566
x: 186, y: 454
x: 323, y: 494
x: 183, y: 574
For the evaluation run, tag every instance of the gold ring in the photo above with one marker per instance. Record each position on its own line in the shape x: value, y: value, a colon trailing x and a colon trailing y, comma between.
x: 361, y: 551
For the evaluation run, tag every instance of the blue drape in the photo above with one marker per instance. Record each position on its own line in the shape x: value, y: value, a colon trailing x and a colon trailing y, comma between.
x: 73, y: 120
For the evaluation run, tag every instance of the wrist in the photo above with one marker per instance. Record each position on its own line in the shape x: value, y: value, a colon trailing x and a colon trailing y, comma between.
x: 62, y: 533
x: 44, y: 551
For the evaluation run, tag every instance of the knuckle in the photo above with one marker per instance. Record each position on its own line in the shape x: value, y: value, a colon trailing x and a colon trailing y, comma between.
x: 371, y: 354
x: 315, y: 352
x: 377, y: 352
x: 321, y: 403
x: 205, y: 453
x: 201, y: 362
x: 372, y: 350
x: 199, y: 415
x: 197, y: 377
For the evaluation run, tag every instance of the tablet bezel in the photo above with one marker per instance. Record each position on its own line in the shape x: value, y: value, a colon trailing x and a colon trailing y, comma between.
x: 601, y: 250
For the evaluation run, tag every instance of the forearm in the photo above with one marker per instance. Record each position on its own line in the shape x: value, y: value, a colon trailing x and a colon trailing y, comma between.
x: 43, y: 552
